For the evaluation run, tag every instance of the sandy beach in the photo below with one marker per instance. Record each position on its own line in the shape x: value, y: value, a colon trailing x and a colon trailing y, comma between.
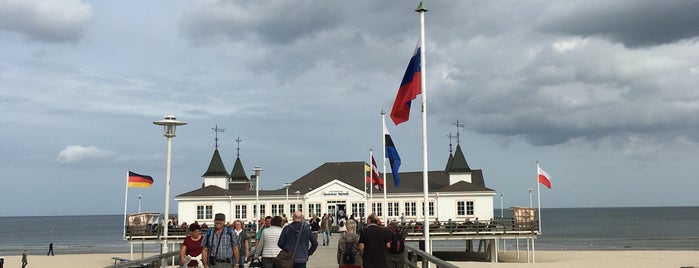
x: 324, y: 258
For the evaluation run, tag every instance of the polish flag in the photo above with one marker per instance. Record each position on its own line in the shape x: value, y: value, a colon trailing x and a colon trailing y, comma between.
x: 544, y: 178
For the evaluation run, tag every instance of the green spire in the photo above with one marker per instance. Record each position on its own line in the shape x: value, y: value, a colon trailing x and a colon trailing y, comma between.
x: 420, y: 8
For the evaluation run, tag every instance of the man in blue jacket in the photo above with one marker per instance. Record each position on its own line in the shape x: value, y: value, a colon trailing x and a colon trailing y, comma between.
x: 307, y: 242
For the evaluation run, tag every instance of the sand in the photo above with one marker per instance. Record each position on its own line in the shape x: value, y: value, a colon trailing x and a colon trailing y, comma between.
x: 325, y: 257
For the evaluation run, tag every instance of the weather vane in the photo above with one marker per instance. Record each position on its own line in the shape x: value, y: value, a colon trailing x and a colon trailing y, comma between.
x: 216, y: 131
x: 451, y: 137
x: 238, y: 140
x: 458, y: 134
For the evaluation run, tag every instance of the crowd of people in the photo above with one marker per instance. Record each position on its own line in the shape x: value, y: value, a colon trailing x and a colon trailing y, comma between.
x: 361, y: 244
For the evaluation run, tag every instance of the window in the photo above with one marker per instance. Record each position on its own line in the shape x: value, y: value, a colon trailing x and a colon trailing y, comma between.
x: 262, y: 210
x: 294, y: 207
x: 430, y: 209
x: 358, y: 210
x: 205, y: 212
x: 393, y: 209
x: 314, y: 209
x: 464, y: 208
x: 410, y: 209
x: 241, y: 212
x: 376, y: 208
x: 277, y: 209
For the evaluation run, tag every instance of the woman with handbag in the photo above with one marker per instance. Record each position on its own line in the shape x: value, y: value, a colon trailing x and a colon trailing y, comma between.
x: 267, y: 245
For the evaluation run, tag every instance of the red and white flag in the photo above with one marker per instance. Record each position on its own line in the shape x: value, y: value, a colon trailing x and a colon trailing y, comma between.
x: 544, y: 178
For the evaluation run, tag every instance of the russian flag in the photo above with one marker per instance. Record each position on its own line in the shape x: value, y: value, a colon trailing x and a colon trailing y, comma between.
x: 393, y: 157
x: 409, y: 89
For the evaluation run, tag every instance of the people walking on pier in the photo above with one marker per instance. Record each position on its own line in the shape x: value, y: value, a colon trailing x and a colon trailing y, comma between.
x: 50, y: 249
x: 315, y: 225
x: 298, y: 229
x: 244, y: 242
x: 267, y: 246
x: 348, y: 254
x: 221, y: 247
x: 395, y: 257
x: 190, y: 251
x: 325, y: 229
x: 374, y: 242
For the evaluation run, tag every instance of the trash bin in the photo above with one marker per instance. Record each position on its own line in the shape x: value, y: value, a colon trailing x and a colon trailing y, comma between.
x: 2, y: 261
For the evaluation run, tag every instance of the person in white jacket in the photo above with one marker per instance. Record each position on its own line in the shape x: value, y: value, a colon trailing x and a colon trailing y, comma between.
x: 267, y: 246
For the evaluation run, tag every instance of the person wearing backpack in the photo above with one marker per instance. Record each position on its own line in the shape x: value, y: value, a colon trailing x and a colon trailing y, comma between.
x: 348, y: 254
x: 395, y: 257
x: 220, y: 245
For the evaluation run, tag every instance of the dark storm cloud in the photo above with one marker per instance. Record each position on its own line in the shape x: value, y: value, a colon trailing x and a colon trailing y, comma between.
x: 634, y: 24
x: 46, y: 21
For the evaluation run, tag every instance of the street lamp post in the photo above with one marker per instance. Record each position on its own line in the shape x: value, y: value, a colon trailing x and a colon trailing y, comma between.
x: 286, y: 206
x: 139, y: 203
x: 169, y: 124
x: 501, y: 207
x: 530, y: 198
x: 298, y: 193
x: 258, y: 171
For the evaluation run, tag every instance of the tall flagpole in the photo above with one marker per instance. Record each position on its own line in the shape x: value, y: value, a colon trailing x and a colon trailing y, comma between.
x: 126, y: 197
x: 383, y: 142
x: 538, y: 194
x: 371, y: 175
x: 426, y: 225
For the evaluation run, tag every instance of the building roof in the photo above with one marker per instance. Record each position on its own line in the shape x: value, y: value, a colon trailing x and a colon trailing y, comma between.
x: 216, y: 167
x: 352, y: 173
x: 238, y: 172
x: 458, y: 164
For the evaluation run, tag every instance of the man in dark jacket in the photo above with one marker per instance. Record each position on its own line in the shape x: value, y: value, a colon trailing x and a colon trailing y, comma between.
x: 374, y: 242
x: 307, y: 242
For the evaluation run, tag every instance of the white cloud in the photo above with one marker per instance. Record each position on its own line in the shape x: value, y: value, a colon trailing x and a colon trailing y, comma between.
x: 76, y: 153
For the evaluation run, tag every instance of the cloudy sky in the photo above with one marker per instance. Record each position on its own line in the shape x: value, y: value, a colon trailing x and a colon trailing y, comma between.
x: 603, y: 94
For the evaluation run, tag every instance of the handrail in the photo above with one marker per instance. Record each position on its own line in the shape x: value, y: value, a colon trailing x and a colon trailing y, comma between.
x: 426, y: 258
x: 152, y: 259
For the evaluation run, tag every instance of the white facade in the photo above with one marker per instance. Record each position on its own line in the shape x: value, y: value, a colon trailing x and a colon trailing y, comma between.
x: 336, y: 195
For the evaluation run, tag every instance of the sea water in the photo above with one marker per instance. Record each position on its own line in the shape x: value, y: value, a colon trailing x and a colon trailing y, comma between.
x: 652, y: 228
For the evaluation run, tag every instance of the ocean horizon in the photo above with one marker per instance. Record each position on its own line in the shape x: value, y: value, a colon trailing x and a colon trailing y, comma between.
x: 596, y: 228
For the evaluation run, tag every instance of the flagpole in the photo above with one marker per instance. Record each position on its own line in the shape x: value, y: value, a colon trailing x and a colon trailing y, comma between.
x: 371, y: 175
x: 126, y: 198
x: 538, y: 193
x: 383, y: 142
x: 426, y: 225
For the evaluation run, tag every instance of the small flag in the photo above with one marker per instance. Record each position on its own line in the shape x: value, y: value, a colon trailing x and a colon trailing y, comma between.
x: 373, y: 176
x: 393, y: 157
x: 139, y: 181
x: 544, y: 177
x: 408, y: 90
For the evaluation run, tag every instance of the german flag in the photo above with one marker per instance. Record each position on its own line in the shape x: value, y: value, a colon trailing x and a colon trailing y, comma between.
x: 139, y: 181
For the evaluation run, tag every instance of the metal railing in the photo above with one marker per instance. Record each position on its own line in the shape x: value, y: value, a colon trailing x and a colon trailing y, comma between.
x: 413, y: 254
x: 152, y: 261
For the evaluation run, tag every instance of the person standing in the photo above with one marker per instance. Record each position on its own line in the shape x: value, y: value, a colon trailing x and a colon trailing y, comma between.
x: 374, y: 242
x: 348, y: 254
x: 267, y: 247
x: 315, y: 225
x: 24, y: 258
x: 325, y: 228
x: 307, y: 243
x: 244, y: 242
x: 190, y: 251
x: 50, y: 249
x: 221, y: 247
x: 395, y: 258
